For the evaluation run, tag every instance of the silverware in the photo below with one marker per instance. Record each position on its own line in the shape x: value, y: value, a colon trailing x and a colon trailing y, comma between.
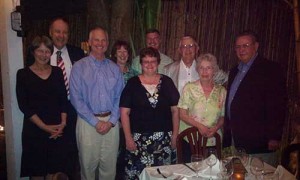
x: 268, y: 172
x: 189, y: 167
x: 161, y: 173
x: 178, y: 177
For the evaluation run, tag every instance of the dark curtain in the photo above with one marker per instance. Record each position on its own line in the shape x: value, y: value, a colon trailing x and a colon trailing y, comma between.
x: 213, y: 23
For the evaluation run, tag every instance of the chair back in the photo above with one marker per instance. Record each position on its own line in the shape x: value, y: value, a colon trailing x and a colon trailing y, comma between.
x: 196, y: 141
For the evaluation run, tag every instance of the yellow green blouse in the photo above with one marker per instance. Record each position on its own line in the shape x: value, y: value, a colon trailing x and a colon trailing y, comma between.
x: 207, y: 111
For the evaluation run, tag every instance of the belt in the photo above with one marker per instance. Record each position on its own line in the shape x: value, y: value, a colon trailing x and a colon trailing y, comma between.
x: 105, y: 114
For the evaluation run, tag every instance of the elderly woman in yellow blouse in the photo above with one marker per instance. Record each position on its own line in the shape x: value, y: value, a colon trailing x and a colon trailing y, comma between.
x: 202, y: 102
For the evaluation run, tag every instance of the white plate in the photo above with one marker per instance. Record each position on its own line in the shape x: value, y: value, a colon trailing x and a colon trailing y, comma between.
x: 166, y: 173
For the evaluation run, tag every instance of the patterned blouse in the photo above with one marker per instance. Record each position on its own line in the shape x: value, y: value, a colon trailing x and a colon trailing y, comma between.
x: 129, y: 74
x: 206, y: 110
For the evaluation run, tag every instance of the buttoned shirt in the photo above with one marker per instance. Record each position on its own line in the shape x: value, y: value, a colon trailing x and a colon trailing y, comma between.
x: 95, y: 87
x: 206, y: 110
x: 243, y: 69
x: 186, y: 75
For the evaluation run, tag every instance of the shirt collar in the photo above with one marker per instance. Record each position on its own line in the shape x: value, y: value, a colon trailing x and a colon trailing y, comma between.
x: 64, y: 49
x: 183, y: 65
x: 248, y: 64
x: 97, y: 62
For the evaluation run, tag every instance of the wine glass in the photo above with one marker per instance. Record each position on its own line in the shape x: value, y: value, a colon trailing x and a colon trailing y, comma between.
x: 256, y: 166
x: 226, y: 168
x: 242, y: 155
x: 211, y: 159
x: 197, y: 163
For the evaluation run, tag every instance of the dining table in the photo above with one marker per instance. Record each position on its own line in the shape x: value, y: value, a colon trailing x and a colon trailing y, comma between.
x: 185, y: 172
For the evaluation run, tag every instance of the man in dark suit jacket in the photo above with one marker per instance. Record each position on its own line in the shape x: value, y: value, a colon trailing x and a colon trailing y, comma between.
x: 255, y: 104
x: 59, y: 33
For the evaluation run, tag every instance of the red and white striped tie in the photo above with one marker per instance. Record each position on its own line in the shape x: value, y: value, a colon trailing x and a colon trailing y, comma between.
x: 61, y: 64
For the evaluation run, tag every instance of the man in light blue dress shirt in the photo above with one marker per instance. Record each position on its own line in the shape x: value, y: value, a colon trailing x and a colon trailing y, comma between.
x: 96, y: 84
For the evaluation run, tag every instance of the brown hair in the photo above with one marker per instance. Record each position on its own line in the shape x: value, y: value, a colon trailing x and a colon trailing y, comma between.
x: 151, y: 52
x: 38, y: 40
x: 118, y: 44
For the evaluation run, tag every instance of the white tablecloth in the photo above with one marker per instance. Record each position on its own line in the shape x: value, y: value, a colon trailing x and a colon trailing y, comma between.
x: 178, y: 171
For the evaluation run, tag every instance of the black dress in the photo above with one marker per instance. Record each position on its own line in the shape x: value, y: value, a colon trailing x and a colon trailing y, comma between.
x: 48, y: 99
x: 151, y: 124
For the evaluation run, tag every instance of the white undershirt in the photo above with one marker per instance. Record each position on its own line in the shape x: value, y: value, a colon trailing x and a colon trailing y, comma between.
x: 66, y: 58
x: 186, y: 74
x: 150, y: 88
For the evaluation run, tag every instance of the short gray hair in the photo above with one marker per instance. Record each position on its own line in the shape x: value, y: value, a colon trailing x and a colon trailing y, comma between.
x: 210, y: 58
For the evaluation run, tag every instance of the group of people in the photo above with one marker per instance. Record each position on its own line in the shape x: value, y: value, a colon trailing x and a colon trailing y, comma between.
x: 76, y: 114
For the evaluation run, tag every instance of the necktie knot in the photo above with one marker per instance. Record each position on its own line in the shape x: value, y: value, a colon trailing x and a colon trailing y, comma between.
x: 58, y: 53
x: 59, y: 58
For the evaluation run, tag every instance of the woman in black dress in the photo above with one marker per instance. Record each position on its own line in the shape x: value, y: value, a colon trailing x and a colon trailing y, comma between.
x: 149, y: 116
x: 42, y: 97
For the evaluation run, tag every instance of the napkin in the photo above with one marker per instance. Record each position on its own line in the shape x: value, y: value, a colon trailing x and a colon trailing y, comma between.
x: 184, y: 171
x: 284, y: 174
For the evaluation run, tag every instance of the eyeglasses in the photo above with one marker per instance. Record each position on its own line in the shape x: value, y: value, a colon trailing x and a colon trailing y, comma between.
x: 149, y: 62
x: 187, y: 46
x: 208, y: 68
x: 244, y: 46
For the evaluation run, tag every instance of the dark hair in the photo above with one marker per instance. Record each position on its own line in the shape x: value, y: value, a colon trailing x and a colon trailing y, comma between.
x: 38, y: 40
x: 151, y: 52
x: 118, y: 44
x: 250, y: 33
x: 58, y: 18
x: 152, y: 31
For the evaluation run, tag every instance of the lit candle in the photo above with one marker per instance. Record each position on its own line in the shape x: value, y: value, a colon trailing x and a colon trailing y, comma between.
x: 238, y: 176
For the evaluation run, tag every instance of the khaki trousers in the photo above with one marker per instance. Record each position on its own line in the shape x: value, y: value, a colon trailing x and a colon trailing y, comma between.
x: 97, y: 153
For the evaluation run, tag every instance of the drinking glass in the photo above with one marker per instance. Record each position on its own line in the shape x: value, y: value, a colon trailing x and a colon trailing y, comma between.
x: 197, y: 163
x: 256, y: 166
x: 226, y: 168
x: 242, y: 155
x: 211, y: 159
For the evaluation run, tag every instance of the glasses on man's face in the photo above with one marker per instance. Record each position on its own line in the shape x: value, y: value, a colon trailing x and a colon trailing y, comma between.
x: 244, y: 46
x: 187, y: 46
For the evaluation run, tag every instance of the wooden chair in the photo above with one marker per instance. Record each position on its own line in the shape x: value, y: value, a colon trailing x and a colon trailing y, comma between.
x: 196, y: 141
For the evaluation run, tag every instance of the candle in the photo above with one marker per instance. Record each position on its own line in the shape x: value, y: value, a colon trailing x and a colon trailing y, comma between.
x: 238, y: 176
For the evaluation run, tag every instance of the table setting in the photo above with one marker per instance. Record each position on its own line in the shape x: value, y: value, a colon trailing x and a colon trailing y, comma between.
x: 209, y: 167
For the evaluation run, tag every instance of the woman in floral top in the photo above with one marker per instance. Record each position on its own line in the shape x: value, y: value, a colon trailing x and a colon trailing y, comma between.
x: 149, y: 116
x: 202, y: 102
x: 121, y: 54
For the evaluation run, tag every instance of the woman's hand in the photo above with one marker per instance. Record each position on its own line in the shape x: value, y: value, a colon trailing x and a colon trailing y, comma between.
x: 212, y: 131
x: 203, y: 130
x: 130, y: 144
x: 53, y: 130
